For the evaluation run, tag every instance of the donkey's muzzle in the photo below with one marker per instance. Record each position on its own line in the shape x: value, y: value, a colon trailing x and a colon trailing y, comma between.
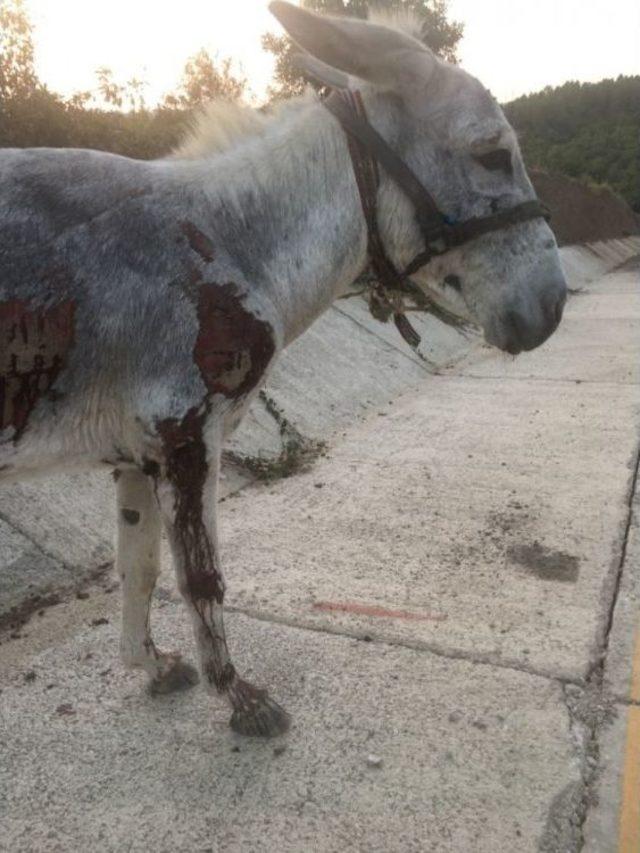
x: 525, y: 327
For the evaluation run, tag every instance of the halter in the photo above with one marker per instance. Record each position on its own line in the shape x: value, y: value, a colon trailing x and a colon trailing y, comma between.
x: 440, y: 233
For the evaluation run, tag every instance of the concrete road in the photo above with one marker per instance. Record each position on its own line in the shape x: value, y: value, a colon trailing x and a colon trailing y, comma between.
x: 447, y: 604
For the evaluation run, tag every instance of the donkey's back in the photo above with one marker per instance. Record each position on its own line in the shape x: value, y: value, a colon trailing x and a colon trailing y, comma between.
x: 96, y: 260
x: 48, y: 191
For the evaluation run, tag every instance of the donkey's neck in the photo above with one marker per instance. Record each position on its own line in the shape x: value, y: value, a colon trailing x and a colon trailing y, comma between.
x: 290, y: 212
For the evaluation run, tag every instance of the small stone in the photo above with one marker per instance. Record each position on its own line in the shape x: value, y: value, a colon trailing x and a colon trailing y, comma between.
x: 101, y: 620
x: 318, y: 485
x: 279, y: 749
x: 29, y: 676
x: 65, y: 710
x: 374, y: 760
x: 82, y: 596
x: 455, y: 716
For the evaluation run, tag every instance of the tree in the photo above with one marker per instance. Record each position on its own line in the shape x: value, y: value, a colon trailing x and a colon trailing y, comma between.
x: 587, y: 131
x: 439, y: 34
x: 203, y: 81
x: 17, y: 75
x: 112, y: 93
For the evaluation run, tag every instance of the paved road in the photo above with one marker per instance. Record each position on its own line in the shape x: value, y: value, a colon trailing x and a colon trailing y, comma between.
x: 447, y: 604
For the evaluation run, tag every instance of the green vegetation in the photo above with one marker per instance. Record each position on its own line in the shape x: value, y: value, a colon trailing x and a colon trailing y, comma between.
x: 588, y: 131
x: 32, y: 115
x: 297, y: 454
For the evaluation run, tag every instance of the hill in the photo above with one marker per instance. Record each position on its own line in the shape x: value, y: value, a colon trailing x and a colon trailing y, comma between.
x: 587, y: 131
x: 581, y: 213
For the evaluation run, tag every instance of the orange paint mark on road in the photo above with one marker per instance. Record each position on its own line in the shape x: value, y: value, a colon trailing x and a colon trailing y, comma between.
x: 629, y: 835
x: 375, y: 610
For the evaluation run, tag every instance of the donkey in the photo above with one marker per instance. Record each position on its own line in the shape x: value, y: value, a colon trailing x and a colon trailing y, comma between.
x: 142, y: 304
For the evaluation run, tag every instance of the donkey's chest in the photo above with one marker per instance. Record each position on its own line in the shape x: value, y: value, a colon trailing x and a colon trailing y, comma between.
x: 234, y: 346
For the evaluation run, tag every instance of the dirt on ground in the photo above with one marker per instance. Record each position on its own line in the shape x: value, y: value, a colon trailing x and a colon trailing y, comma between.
x: 583, y: 214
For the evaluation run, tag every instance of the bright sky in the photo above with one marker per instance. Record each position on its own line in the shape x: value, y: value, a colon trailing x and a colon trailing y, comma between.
x: 513, y: 46
x: 520, y: 46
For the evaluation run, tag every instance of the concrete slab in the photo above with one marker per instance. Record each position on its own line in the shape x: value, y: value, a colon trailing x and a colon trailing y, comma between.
x: 440, y: 344
x: 63, y: 528
x: 71, y: 517
x: 623, y: 281
x: 314, y: 379
x: 581, y: 264
x: 585, y: 350
x: 471, y: 758
x: 479, y: 518
x: 624, y: 639
x: 614, y: 252
x: 605, y: 305
x: 29, y: 576
x: 598, y: 340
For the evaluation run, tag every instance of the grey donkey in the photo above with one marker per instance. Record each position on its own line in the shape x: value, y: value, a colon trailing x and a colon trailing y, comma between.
x: 142, y: 304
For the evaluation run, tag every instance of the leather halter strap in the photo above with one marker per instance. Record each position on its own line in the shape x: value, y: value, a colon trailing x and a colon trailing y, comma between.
x: 384, y: 299
x: 367, y: 148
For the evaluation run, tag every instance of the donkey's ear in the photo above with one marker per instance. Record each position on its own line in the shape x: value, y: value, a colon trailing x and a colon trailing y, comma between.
x: 372, y: 52
x: 319, y: 71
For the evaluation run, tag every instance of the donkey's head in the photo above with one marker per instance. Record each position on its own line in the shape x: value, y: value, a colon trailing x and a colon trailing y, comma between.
x: 453, y: 134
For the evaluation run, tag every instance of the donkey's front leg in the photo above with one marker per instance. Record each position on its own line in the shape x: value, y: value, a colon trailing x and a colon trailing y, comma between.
x: 138, y: 565
x: 188, y: 500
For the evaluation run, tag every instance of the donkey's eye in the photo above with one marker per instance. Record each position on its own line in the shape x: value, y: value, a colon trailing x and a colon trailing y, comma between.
x: 498, y: 160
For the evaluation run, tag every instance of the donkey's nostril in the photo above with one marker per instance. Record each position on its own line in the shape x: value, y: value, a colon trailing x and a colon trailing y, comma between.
x: 553, y: 308
x: 454, y: 282
x: 559, y: 308
x: 517, y: 324
x: 523, y: 333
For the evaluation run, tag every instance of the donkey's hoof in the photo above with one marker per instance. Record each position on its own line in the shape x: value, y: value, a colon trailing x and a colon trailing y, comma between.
x: 255, y: 714
x: 178, y: 676
x: 266, y: 719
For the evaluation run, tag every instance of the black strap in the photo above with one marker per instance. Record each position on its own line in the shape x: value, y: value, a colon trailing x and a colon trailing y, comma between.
x: 438, y: 234
x: 463, y: 232
x: 384, y: 301
x: 427, y: 212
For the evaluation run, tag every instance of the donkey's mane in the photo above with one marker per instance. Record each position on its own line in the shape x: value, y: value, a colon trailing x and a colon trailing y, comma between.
x: 219, y: 126
x: 405, y: 20
x: 222, y: 124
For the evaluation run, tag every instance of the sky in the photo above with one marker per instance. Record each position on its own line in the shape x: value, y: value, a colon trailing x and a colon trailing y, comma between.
x: 513, y: 46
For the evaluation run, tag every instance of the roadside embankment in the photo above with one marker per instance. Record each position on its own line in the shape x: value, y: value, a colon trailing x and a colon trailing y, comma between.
x: 582, y: 213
